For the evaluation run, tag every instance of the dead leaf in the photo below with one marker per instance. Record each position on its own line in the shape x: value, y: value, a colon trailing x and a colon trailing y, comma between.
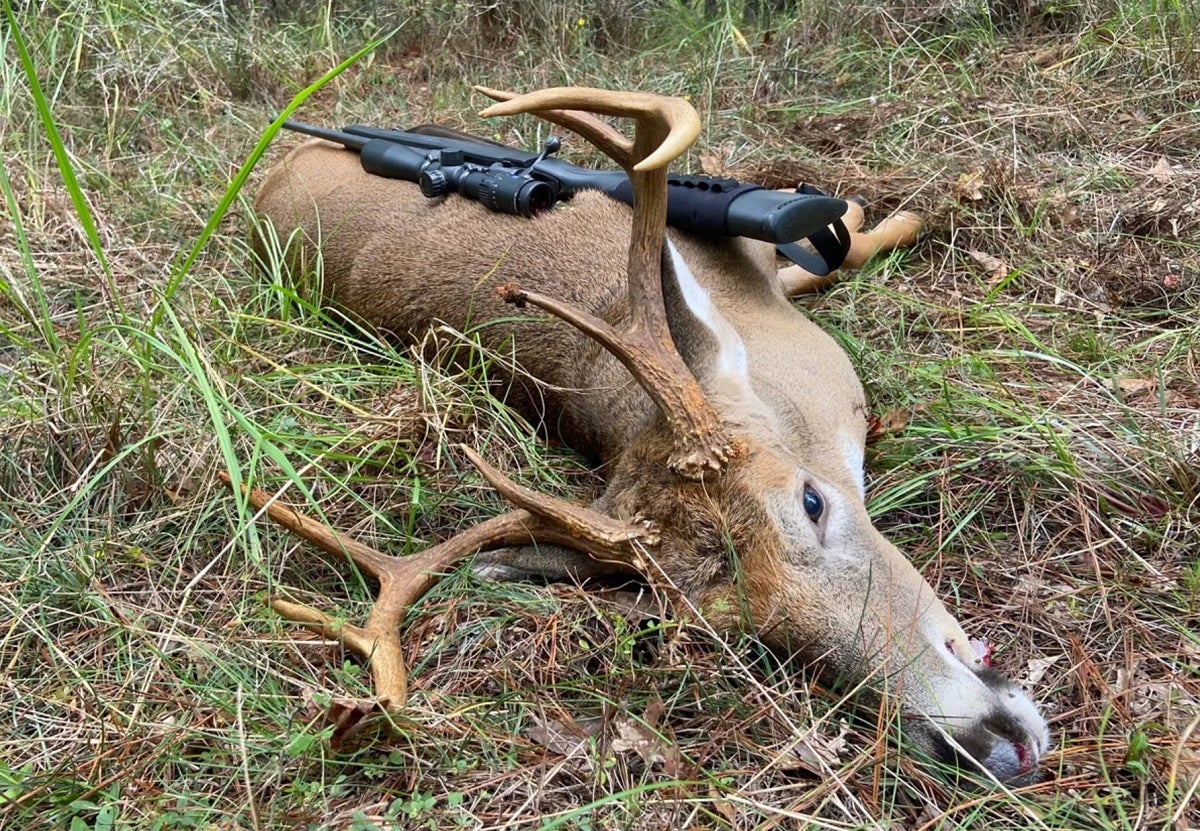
x: 722, y: 806
x: 636, y: 737
x: 355, y: 721
x: 654, y: 712
x: 1162, y: 171
x: 968, y: 187
x: 893, y: 421
x: 1043, y: 58
x: 817, y: 752
x: 711, y: 165
x: 1136, y: 385
x: 1037, y: 668
x: 995, y: 268
x: 564, y: 738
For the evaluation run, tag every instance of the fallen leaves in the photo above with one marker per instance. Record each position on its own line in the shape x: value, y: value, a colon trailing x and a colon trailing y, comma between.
x: 1037, y: 667
x: 890, y: 423
x: 994, y: 268
x: 968, y: 187
x: 1133, y: 386
x: 711, y: 165
x: 350, y: 722
x: 634, y: 736
x: 1163, y: 172
x: 817, y: 752
x: 579, y: 741
x: 565, y: 737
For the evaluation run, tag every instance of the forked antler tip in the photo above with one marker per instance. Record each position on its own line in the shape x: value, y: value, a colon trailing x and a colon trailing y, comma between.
x: 532, y: 102
x: 504, y: 107
x: 676, y: 114
x: 494, y: 94
x: 684, y: 123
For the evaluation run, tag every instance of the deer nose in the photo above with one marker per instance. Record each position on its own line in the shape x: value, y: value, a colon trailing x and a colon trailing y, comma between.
x: 1006, y: 749
x: 1014, y: 758
x: 1002, y: 732
x: 1012, y: 737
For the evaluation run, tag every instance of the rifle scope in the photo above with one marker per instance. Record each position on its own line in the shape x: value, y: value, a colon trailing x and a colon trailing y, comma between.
x: 497, y: 188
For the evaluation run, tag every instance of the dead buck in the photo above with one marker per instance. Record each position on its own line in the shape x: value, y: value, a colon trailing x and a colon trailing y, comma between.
x: 730, y: 427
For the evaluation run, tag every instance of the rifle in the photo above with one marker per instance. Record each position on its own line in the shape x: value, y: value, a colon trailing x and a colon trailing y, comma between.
x: 511, y: 181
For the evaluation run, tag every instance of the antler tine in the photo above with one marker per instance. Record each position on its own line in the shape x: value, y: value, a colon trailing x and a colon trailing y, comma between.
x: 403, y: 580
x: 673, y: 120
x: 666, y: 127
x: 586, y: 526
x: 612, y: 143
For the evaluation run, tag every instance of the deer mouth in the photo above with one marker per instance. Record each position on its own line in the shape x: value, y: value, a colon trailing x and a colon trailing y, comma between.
x: 979, y: 719
x: 1014, y: 762
x: 1025, y: 757
x: 1002, y: 745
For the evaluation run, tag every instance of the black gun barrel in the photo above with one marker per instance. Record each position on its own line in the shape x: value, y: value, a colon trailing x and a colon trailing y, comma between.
x: 697, y: 204
x: 722, y: 207
x: 348, y: 139
x: 378, y: 156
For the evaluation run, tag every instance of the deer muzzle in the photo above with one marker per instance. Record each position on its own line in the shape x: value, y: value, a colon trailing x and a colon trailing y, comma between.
x: 971, y: 714
x: 957, y: 707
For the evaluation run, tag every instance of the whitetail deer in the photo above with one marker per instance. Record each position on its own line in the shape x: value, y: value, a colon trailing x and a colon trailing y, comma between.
x: 730, y: 427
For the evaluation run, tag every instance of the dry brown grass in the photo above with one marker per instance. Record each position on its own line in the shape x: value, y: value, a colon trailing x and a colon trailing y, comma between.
x: 1035, y: 356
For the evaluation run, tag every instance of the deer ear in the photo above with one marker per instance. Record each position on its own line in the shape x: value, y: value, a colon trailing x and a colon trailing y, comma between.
x: 707, y: 342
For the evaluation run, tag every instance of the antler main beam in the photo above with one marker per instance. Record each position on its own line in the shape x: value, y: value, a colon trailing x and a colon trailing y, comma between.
x: 403, y: 580
x: 666, y: 127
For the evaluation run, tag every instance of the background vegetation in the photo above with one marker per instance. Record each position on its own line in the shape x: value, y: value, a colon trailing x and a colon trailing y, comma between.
x: 1032, y: 364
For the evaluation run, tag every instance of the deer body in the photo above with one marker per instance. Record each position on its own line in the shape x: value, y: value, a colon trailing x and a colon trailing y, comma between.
x: 777, y: 541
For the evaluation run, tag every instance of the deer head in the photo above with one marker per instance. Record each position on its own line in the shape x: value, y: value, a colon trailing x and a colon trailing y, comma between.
x: 739, y: 487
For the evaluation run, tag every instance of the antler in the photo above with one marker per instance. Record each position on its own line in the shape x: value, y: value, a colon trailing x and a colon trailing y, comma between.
x: 586, y: 125
x: 666, y: 127
x: 403, y: 580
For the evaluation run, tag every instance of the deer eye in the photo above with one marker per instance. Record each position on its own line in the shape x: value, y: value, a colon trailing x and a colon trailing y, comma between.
x: 814, y: 505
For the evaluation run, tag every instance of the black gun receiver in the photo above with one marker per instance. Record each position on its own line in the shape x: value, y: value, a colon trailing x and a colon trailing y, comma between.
x: 507, y: 180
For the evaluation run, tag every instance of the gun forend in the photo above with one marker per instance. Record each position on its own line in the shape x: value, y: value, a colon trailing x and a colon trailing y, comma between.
x: 754, y: 212
x: 725, y: 207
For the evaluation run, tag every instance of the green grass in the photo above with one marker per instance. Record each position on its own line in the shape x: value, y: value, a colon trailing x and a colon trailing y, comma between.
x: 1043, y: 476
